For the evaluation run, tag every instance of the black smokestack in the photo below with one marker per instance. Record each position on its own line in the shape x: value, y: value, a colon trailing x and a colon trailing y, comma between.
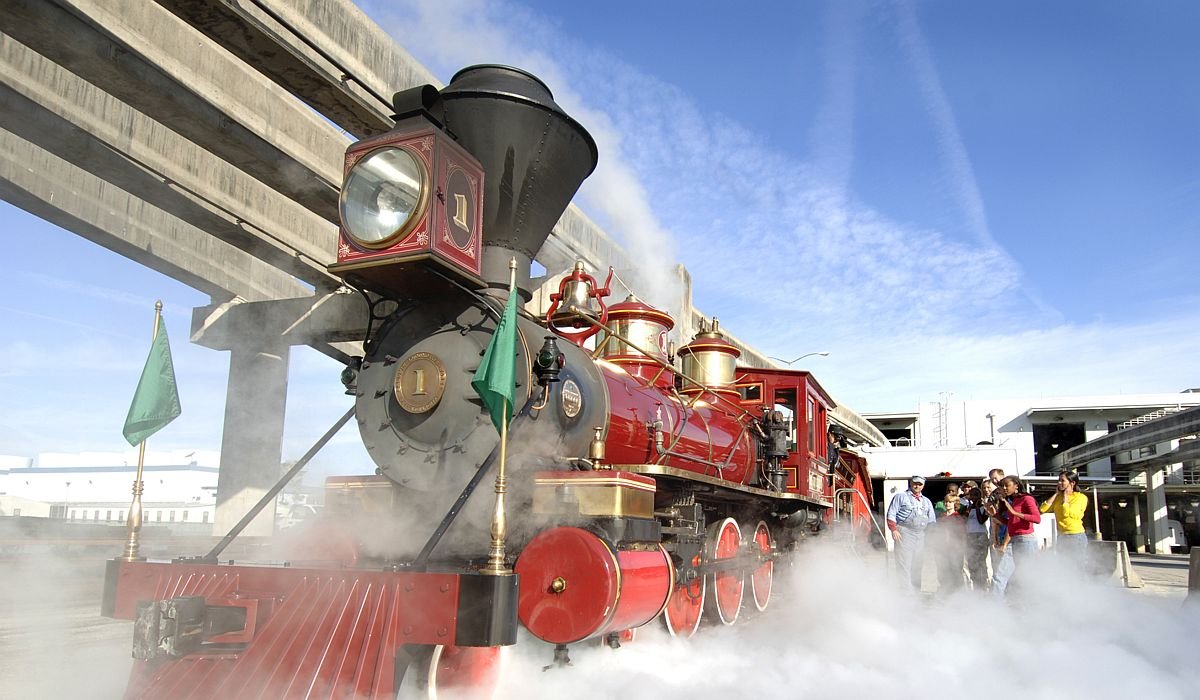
x: 534, y: 155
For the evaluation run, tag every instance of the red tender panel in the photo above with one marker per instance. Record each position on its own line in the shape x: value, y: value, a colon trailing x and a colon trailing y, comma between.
x: 587, y: 567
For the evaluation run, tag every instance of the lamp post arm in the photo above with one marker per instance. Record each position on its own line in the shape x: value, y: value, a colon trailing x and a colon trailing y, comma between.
x: 807, y: 354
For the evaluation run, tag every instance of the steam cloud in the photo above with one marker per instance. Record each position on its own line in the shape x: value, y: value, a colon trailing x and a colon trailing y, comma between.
x: 839, y: 627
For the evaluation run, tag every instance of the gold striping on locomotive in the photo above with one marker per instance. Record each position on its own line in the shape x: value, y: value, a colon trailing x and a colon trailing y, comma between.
x: 603, y: 481
x: 673, y: 472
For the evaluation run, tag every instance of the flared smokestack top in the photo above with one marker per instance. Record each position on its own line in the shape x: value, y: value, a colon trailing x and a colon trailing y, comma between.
x: 534, y: 155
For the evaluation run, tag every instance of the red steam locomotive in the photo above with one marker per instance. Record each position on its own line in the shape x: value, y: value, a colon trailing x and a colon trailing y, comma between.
x: 651, y: 483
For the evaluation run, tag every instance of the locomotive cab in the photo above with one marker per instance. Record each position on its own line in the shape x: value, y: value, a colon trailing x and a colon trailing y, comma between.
x: 804, y: 406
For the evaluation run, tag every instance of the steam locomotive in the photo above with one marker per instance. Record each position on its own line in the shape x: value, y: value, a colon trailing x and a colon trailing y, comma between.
x: 650, y: 482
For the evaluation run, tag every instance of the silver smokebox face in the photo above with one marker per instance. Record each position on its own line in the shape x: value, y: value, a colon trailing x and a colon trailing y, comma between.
x: 534, y: 158
x: 423, y: 423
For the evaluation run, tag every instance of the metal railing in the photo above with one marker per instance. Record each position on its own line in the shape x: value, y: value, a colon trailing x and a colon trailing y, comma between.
x: 866, y: 505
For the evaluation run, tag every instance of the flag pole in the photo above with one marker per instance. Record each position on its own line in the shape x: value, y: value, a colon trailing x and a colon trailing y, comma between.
x: 496, y: 563
x: 134, y: 522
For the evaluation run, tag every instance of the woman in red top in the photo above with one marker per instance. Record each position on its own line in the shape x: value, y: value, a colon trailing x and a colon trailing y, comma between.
x: 1020, y: 513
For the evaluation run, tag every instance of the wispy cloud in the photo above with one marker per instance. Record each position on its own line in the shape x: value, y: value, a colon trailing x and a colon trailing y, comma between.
x: 780, y: 246
x: 751, y: 224
x: 832, y: 133
x: 954, y: 153
x: 82, y: 290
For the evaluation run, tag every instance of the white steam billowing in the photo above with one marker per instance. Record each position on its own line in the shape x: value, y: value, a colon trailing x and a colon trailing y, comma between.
x: 838, y: 627
x: 53, y: 641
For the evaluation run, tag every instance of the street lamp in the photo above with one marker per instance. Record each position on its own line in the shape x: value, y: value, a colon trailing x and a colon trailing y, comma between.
x: 807, y: 354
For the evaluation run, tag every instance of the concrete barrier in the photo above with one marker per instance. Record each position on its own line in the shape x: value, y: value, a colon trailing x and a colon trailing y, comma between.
x: 1193, y: 594
x: 1111, y: 560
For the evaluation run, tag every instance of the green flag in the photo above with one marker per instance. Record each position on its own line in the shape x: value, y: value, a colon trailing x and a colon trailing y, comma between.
x: 496, y: 378
x: 156, y: 402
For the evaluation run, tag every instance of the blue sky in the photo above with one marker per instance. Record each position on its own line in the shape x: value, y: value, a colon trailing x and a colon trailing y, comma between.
x: 995, y: 199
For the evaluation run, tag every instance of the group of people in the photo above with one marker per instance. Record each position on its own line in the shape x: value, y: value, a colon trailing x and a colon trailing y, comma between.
x: 976, y: 523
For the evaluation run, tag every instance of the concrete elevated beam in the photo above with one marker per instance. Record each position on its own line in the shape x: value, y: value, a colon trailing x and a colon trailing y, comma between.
x: 331, y: 317
x: 132, y: 51
x: 327, y: 53
x: 1165, y: 429
x: 332, y: 56
x: 147, y: 58
x: 1187, y: 451
x: 50, y: 106
x: 57, y: 191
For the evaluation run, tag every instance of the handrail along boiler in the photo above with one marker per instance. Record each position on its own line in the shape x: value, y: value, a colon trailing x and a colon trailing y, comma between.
x: 652, y: 483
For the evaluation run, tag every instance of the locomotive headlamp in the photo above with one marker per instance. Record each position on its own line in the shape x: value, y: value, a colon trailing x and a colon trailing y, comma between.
x: 383, y: 197
x: 411, y: 210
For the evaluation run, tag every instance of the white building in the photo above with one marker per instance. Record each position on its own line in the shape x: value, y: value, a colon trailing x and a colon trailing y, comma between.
x: 178, y: 488
x: 966, y: 438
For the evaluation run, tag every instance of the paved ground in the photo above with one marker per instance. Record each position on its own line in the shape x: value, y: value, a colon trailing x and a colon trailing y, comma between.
x: 54, y: 644
x: 53, y: 641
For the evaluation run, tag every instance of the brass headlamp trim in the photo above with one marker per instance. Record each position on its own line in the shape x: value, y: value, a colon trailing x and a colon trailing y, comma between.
x: 415, y: 217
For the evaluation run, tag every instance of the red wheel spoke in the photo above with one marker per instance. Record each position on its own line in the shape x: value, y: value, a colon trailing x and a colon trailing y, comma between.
x: 724, y: 541
x: 762, y: 577
x: 685, y: 608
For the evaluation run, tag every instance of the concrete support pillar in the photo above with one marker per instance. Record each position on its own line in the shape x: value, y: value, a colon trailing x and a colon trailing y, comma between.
x: 685, y: 327
x: 1100, y: 467
x: 1172, y: 473
x: 1156, y: 499
x: 252, y: 442
x: 1138, y: 522
x: 1193, y: 594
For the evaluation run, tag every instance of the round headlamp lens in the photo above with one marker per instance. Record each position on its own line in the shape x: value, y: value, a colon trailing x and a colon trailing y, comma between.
x: 381, y: 195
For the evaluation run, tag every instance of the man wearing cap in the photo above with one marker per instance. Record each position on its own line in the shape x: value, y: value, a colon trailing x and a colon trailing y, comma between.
x: 907, y: 516
x: 837, y: 440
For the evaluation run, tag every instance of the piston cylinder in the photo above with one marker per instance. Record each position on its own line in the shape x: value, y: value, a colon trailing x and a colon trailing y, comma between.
x: 576, y: 586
